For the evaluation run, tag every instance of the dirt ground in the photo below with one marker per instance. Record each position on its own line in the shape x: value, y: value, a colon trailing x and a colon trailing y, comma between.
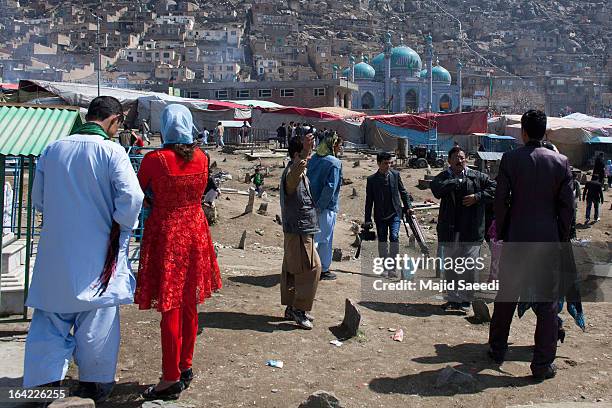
x: 243, y: 327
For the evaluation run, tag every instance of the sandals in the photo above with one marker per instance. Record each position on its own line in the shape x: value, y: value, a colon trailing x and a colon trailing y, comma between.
x: 187, y: 377
x: 171, y: 393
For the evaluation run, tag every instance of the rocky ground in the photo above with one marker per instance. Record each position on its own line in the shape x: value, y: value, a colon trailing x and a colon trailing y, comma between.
x: 243, y: 327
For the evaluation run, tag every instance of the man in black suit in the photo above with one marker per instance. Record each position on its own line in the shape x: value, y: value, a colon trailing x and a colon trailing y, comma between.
x: 464, y: 194
x: 386, y: 193
x: 534, y: 206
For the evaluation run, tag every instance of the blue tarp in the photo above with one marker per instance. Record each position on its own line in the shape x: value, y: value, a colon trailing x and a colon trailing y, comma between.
x: 414, y: 136
x: 601, y: 139
x: 498, y: 137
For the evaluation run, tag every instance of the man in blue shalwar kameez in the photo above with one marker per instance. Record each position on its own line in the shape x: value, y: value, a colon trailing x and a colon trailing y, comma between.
x: 90, y: 199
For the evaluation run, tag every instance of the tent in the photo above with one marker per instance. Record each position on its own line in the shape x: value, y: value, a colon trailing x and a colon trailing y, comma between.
x: 432, y: 129
x: 570, y: 134
x: 346, y: 122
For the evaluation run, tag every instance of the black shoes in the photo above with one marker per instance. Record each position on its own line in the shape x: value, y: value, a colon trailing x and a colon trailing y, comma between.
x: 171, y: 393
x: 546, y: 373
x: 328, y: 276
x: 187, y: 377
x: 98, y: 392
x: 561, y: 335
x: 289, y: 316
x: 496, y: 356
x: 299, y: 316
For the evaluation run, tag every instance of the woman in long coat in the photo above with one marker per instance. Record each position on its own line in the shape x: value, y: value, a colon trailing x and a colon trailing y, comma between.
x: 178, y: 267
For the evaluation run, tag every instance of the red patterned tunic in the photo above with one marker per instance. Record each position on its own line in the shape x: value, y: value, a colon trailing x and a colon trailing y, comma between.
x: 177, y: 258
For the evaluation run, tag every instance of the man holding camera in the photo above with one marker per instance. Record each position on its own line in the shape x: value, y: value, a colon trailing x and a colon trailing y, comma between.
x: 386, y: 193
x: 461, y: 221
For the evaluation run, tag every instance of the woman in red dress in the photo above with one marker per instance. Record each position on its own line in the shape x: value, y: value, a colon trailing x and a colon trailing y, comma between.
x: 178, y: 267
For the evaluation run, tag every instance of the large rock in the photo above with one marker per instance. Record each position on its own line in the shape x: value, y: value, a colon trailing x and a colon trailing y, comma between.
x: 73, y: 402
x: 352, y: 318
x: 249, y: 208
x: 321, y: 399
x: 263, y: 209
x: 450, y: 376
x: 242, y: 243
x: 337, y: 255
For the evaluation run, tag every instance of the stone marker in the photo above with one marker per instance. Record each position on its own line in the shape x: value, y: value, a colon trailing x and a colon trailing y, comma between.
x: 337, y: 255
x: 352, y: 318
x: 481, y: 311
x: 451, y: 376
x: 321, y: 399
x: 211, y: 214
x: 243, y: 238
x: 263, y: 209
x: 249, y: 208
x: 73, y: 402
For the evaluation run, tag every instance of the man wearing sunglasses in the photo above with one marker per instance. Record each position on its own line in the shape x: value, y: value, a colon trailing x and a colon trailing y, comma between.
x: 90, y: 199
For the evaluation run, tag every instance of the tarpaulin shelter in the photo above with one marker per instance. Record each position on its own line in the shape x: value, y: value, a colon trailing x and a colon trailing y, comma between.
x: 344, y: 121
x: 25, y: 130
x: 430, y: 129
x: 205, y: 113
x: 571, y: 135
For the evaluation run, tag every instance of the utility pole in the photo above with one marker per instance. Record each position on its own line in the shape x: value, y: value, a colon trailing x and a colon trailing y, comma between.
x: 460, y: 84
x: 98, y: 43
x: 429, y: 41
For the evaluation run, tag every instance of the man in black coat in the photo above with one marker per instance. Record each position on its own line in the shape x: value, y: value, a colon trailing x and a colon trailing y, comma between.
x: 593, y: 195
x: 464, y: 194
x: 534, y: 206
x: 386, y: 193
x: 281, y: 135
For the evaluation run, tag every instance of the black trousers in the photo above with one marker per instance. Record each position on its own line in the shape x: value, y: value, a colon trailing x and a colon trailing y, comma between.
x: 545, y: 336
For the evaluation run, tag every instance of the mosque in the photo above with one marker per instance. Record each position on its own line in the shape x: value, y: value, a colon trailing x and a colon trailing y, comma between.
x: 396, y: 80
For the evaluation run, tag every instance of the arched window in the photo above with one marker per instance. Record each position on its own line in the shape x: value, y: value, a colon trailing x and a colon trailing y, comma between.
x: 445, y: 103
x: 367, y: 101
x: 412, y: 103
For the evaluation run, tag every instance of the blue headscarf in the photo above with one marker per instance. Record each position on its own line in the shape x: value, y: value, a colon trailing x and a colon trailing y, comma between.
x: 176, y: 125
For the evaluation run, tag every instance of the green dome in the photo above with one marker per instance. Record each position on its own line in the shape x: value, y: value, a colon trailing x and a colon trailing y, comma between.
x: 440, y: 74
x: 401, y: 57
x: 378, y: 60
x: 405, y: 57
x: 363, y: 70
x: 423, y: 73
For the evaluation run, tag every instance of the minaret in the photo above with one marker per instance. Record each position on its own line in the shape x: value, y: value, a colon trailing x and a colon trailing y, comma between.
x: 459, y: 69
x: 352, y: 68
x: 429, y: 73
x: 387, y: 75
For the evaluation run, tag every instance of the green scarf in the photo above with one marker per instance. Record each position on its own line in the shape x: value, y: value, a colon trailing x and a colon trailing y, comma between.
x: 90, y: 128
x: 326, y: 147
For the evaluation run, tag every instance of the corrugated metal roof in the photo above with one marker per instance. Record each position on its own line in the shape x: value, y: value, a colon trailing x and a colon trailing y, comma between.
x: 493, y: 156
x: 27, y: 130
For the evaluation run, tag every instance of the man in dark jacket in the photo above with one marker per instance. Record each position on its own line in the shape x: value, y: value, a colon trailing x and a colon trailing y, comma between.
x: 301, y: 263
x: 384, y: 190
x: 281, y: 135
x: 464, y: 194
x: 599, y: 168
x: 593, y: 193
x: 534, y: 205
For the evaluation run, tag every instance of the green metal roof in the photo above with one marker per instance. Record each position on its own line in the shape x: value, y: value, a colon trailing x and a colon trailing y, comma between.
x: 27, y: 130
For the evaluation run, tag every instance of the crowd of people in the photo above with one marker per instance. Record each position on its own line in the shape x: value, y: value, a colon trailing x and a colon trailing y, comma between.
x: 91, y: 199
